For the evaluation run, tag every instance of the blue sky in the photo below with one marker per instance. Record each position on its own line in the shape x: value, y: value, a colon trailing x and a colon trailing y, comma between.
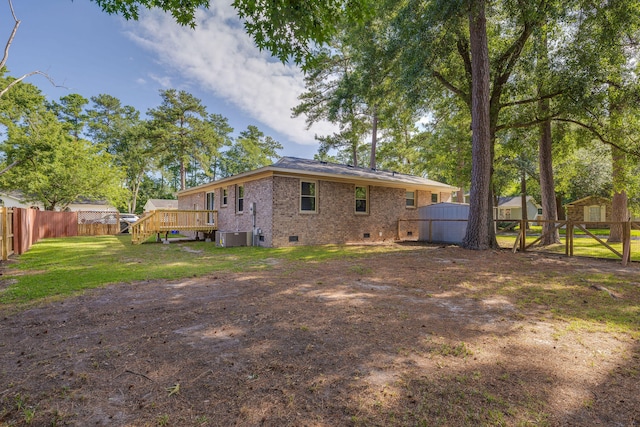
x: 90, y: 53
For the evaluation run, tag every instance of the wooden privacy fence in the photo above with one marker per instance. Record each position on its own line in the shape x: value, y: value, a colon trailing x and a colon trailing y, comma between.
x: 31, y: 225
x: 20, y: 228
x: 6, y: 232
x: 98, y: 223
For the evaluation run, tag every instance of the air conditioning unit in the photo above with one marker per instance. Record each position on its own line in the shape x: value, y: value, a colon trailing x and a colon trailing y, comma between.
x: 229, y: 239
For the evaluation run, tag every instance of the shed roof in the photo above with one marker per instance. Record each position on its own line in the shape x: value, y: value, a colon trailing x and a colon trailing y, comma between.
x: 164, y: 203
x: 320, y: 169
x: 514, y: 201
x: 585, y: 200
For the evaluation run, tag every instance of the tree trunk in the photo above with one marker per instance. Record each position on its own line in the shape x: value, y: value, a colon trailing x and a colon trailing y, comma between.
x: 183, y: 175
x: 560, y: 209
x: 547, y: 186
x: 477, y: 234
x: 550, y: 234
x: 459, y: 174
x: 523, y: 198
x: 374, y: 138
x: 460, y: 194
x: 619, y: 210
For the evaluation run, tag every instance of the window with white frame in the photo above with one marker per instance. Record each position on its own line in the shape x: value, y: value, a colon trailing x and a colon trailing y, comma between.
x: 410, y: 198
x: 595, y: 214
x: 434, y: 197
x: 308, y: 196
x: 225, y: 196
x: 239, y: 198
x: 362, y: 199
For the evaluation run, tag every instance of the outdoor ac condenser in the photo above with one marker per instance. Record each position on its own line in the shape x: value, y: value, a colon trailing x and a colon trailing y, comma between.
x: 229, y: 239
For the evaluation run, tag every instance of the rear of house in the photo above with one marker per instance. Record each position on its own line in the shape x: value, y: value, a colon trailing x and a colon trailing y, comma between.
x: 305, y: 202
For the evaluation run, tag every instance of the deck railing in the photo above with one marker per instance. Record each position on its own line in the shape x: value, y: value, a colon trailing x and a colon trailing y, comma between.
x: 165, y: 221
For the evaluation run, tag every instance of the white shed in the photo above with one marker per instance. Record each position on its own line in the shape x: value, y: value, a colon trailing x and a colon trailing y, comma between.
x: 160, y: 204
x: 448, y: 225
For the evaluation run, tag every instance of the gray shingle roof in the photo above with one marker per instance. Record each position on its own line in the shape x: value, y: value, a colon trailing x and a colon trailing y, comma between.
x: 326, y: 168
x: 314, y: 168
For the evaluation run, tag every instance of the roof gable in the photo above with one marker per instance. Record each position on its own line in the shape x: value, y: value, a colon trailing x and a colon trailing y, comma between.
x: 515, y: 201
x: 596, y: 200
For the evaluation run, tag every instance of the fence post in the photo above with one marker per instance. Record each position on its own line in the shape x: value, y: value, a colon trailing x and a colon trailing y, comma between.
x: 4, y: 234
x: 570, y: 238
x: 626, y: 242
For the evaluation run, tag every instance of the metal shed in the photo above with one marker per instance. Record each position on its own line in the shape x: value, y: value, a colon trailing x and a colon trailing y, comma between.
x: 443, y: 222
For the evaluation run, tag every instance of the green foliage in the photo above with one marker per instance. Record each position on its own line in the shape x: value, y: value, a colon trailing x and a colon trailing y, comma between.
x: 182, y: 132
x: 126, y: 137
x: 70, y: 111
x: 183, y: 12
x: 584, y: 172
x: 59, y: 169
x: 251, y: 150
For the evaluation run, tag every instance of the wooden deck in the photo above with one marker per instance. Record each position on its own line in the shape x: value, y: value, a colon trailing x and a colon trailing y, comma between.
x: 166, y: 221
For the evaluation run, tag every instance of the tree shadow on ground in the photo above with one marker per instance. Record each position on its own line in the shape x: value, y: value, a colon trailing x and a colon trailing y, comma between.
x: 435, y: 336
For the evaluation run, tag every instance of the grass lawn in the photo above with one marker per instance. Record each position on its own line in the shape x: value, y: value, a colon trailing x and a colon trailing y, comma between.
x: 537, y: 229
x: 59, y: 267
x: 582, y: 246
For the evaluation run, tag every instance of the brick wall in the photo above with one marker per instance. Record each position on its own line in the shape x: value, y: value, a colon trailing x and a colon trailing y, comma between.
x: 335, y: 220
x: 279, y: 218
x: 258, y: 192
x: 575, y: 212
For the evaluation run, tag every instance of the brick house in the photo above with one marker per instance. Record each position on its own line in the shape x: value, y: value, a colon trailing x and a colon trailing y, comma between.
x: 306, y: 202
x: 589, y: 210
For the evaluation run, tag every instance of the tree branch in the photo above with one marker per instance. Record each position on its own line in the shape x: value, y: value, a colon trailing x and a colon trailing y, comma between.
x: 6, y: 56
x: 451, y: 87
x: 508, y: 60
x: 463, y: 51
x: 635, y: 153
x: 19, y: 79
x: 11, y: 37
x: 530, y: 100
x: 8, y: 168
x: 535, y: 122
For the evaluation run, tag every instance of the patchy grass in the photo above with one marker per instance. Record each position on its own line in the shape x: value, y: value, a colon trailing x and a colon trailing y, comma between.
x: 59, y: 267
x: 582, y: 246
x: 336, y: 335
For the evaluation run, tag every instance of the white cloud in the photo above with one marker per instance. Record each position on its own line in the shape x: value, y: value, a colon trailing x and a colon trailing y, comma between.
x: 164, y: 81
x: 219, y: 57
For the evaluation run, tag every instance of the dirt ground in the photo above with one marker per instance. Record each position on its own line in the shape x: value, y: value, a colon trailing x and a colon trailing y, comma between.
x: 414, y: 337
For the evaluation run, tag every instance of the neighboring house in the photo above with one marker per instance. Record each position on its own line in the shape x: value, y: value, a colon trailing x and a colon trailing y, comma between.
x: 15, y: 199
x: 589, y: 209
x: 84, y: 205
x: 511, y: 208
x: 298, y: 201
x: 155, y: 204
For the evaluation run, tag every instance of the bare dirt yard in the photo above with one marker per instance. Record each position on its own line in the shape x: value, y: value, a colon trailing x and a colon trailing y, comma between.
x: 422, y: 336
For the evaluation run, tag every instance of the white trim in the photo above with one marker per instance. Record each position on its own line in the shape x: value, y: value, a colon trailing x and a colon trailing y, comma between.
x: 367, y: 200
x: 238, y: 187
x: 315, y: 196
